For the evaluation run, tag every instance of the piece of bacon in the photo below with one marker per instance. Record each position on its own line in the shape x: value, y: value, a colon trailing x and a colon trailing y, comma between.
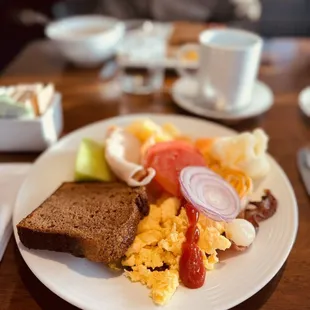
x: 258, y: 211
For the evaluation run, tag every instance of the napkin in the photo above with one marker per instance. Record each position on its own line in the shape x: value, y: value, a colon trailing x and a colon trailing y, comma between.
x: 11, y: 178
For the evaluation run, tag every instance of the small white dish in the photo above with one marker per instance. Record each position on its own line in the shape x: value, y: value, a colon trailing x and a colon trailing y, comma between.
x: 32, y: 135
x: 86, y: 40
x: 304, y: 101
x: 184, y: 93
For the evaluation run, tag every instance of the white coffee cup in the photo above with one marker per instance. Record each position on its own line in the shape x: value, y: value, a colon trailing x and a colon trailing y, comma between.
x: 228, y: 65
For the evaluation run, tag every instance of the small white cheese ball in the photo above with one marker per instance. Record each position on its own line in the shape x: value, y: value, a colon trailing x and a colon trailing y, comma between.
x: 241, y: 232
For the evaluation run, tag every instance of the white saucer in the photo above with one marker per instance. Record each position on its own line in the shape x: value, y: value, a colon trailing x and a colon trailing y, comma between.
x: 304, y: 101
x: 184, y: 92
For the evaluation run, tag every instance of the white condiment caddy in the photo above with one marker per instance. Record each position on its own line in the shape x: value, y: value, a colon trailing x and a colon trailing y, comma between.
x: 32, y: 135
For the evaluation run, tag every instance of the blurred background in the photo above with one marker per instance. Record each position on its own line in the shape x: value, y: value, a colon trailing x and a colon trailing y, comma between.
x: 22, y: 21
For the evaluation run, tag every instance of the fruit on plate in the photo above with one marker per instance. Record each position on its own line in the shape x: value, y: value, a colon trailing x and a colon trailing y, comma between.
x: 91, y: 164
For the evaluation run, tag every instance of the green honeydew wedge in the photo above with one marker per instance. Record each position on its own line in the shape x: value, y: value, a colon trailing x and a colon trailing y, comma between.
x: 91, y: 164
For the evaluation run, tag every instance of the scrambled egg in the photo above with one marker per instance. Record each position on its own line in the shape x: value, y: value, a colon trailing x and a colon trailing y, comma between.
x: 155, y: 253
x: 146, y: 129
x: 149, y: 133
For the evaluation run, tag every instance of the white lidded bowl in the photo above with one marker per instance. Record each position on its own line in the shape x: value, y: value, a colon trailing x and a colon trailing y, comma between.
x: 86, y: 40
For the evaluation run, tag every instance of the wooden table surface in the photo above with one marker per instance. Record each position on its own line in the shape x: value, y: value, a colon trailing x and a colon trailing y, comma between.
x: 87, y: 97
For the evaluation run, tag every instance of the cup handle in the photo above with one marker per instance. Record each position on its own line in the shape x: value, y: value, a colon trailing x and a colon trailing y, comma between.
x: 182, y: 71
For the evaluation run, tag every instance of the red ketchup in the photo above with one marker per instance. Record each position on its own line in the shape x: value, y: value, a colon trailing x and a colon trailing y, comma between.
x: 192, y: 270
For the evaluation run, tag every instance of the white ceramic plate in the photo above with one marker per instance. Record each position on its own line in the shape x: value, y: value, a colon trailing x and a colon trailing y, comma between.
x: 89, y: 285
x: 304, y: 101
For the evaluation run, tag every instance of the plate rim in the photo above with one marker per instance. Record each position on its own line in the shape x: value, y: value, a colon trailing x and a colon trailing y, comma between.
x: 246, y: 296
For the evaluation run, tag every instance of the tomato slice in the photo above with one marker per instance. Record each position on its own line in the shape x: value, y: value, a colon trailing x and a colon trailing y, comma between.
x: 168, y: 159
x: 162, y: 146
x: 154, y: 191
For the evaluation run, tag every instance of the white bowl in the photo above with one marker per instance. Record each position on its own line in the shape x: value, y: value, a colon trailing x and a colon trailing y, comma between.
x: 86, y: 40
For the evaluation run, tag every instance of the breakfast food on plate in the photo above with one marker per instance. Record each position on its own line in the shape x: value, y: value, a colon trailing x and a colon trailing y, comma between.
x: 93, y: 220
x: 199, y: 202
x: 123, y: 155
x: 241, y: 232
x: 258, y: 211
x: 178, y: 154
x: 91, y: 164
x: 153, y: 258
x: 245, y: 152
x: 25, y: 100
x: 242, y: 183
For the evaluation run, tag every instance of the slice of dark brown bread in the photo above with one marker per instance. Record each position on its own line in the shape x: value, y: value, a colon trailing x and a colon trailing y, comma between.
x: 93, y: 220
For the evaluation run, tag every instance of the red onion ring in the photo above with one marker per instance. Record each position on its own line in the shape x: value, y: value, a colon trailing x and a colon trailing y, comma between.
x: 209, y: 193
